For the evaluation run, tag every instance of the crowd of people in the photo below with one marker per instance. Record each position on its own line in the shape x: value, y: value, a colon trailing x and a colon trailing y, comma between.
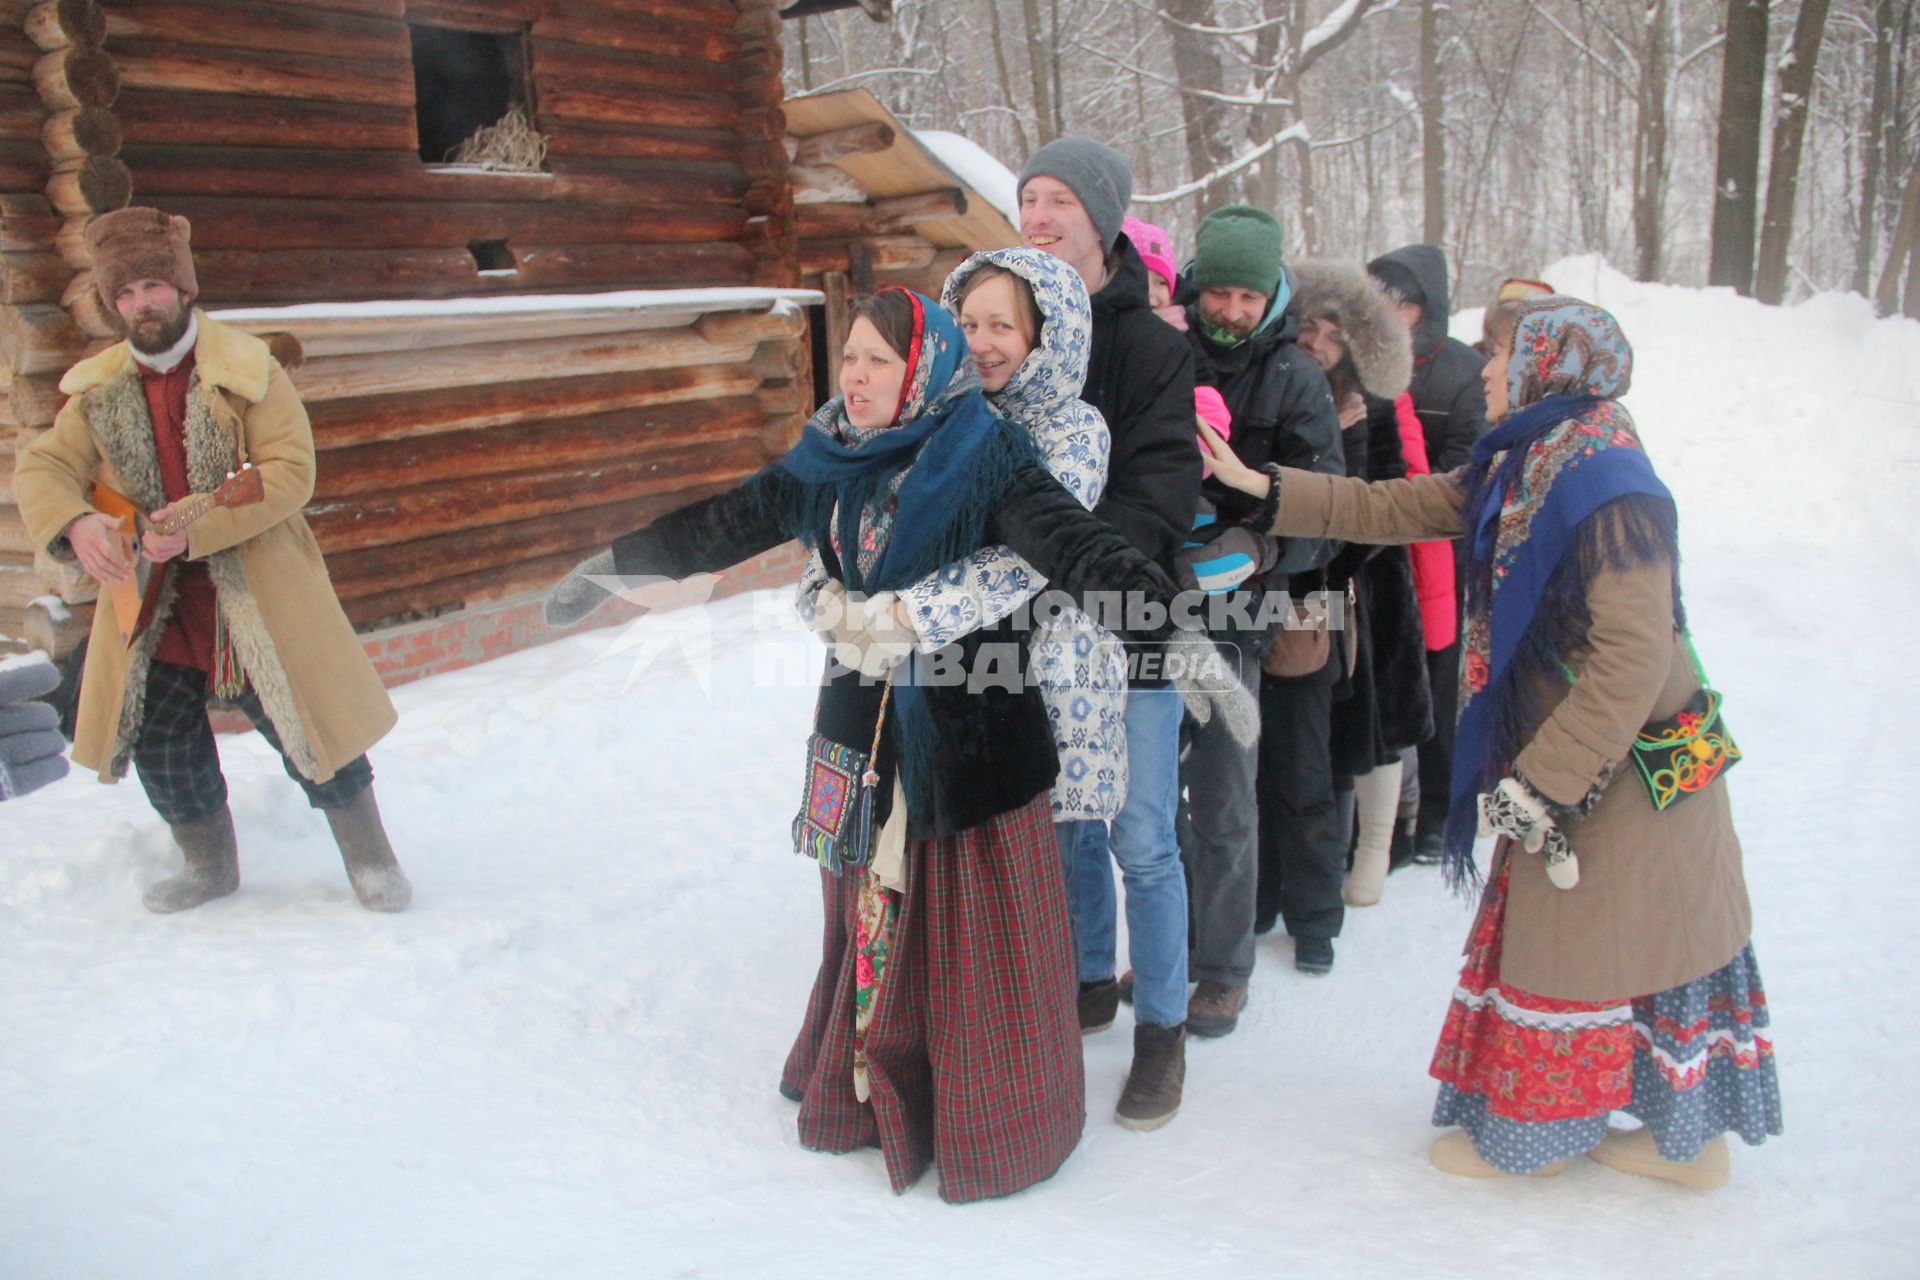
x: 1403, y: 592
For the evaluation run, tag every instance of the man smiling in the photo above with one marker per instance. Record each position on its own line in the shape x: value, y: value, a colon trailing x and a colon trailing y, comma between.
x: 1073, y: 196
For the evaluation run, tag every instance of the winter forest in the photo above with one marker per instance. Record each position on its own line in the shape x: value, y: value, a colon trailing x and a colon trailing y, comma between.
x: 1763, y: 144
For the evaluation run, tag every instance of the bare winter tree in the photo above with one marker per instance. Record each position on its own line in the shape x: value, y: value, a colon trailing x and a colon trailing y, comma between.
x: 1737, y: 169
x: 1789, y: 130
x: 1510, y: 132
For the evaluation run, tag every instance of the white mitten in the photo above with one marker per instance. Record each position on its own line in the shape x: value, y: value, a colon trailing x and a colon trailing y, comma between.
x: 1512, y: 810
x: 869, y: 638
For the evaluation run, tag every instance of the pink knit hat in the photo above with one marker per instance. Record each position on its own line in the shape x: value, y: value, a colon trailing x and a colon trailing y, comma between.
x: 1213, y: 411
x: 1155, y: 246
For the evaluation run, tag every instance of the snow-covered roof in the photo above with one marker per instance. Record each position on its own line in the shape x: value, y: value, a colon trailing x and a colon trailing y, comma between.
x: 976, y: 168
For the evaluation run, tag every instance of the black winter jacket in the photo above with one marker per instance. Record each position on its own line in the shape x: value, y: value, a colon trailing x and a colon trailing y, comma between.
x: 1140, y: 378
x: 993, y: 745
x: 1447, y: 391
x: 1283, y: 413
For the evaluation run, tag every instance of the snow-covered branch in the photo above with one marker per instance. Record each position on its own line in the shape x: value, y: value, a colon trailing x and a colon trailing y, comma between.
x: 1296, y: 132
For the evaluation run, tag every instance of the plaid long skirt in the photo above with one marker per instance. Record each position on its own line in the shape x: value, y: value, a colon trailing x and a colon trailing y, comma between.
x: 1532, y: 1079
x: 973, y: 1052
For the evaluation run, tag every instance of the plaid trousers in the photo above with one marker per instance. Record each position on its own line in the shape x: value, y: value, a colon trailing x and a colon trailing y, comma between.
x: 974, y: 1051
x: 179, y: 766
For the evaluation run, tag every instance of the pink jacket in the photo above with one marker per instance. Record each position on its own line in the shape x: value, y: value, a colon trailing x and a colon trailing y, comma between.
x: 1432, y: 561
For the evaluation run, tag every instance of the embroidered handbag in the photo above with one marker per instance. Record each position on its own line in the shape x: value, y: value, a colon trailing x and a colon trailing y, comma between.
x: 835, y: 823
x: 1679, y: 756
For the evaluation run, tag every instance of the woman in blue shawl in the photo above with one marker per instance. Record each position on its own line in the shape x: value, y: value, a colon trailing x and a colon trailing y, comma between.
x: 1610, y: 966
x: 942, y: 1025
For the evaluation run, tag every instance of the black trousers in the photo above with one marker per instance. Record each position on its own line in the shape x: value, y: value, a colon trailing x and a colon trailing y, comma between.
x: 179, y: 766
x: 1303, y: 854
x: 1436, y: 753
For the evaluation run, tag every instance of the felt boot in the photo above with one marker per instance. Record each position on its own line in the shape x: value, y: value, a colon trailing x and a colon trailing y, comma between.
x: 213, y: 865
x: 375, y: 873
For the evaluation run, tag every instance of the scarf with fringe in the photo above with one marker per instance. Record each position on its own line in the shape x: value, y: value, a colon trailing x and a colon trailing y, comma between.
x: 1535, y: 492
x: 898, y: 503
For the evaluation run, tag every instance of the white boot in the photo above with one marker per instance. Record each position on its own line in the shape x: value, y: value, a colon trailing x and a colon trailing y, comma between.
x: 1376, y: 802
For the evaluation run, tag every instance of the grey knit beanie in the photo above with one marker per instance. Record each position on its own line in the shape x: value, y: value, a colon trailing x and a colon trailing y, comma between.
x: 1097, y: 175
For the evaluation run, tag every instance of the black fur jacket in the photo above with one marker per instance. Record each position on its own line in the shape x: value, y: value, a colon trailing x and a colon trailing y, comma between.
x: 992, y: 748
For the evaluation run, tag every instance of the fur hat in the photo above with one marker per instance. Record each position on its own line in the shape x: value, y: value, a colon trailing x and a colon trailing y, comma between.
x: 135, y: 244
x: 1376, y: 340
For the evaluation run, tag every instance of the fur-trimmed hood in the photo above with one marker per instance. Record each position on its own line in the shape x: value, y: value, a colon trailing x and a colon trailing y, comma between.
x: 225, y: 357
x: 1379, y: 344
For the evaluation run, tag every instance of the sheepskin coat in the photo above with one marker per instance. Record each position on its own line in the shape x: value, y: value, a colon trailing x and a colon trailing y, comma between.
x: 298, y: 650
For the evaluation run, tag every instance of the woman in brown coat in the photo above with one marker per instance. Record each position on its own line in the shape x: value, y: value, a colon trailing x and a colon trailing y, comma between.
x: 1609, y: 967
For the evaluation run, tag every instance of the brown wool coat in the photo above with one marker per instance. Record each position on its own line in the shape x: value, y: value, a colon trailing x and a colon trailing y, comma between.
x: 300, y: 653
x: 1662, y: 899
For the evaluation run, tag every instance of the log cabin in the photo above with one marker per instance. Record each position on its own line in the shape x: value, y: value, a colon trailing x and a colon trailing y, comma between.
x: 507, y: 357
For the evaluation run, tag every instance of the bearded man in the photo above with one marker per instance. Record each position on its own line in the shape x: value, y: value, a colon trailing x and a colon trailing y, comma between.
x: 246, y: 616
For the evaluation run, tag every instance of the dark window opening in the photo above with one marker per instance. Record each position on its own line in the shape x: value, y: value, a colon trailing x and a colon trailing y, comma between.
x: 822, y: 360
x: 464, y: 81
x: 492, y: 255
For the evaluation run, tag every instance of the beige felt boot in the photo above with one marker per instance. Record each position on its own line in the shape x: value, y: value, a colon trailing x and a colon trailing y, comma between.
x: 1634, y: 1151
x: 1452, y: 1152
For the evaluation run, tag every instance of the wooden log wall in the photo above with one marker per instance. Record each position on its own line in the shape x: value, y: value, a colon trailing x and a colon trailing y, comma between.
x: 849, y: 243
x: 444, y: 467
x: 285, y: 131
x: 59, y: 143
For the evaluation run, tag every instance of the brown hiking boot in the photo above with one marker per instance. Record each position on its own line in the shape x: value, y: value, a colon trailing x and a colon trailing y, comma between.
x: 1214, y: 1007
x: 1099, y: 1004
x: 1152, y: 1095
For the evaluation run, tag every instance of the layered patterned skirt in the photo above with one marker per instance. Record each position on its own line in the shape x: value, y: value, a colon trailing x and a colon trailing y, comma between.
x: 963, y: 991
x: 1532, y: 1079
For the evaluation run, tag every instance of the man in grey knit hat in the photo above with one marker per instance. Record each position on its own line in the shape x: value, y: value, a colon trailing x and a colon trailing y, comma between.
x: 1073, y: 195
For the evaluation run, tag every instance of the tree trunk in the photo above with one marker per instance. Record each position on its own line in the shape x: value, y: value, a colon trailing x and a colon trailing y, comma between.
x: 1196, y: 65
x: 1736, y: 177
x: 1905, y: 232
x: 1037, y: 74
x: 1007, y: 95
x: 1783, y: 170
x: 1876, y: 147
x: 1650, y: 142
x: 1433, y: 155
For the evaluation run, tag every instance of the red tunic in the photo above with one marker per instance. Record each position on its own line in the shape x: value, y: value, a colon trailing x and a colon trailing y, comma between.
x: 188, y: 639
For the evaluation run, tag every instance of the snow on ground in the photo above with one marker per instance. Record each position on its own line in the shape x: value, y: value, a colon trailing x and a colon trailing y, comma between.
x: 562, y: 1061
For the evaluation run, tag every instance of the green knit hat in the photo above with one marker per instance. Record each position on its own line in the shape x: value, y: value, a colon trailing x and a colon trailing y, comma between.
x: 1238, y: 247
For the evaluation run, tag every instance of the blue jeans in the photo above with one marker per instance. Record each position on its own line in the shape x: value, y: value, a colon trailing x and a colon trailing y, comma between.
x: 1144, y: 842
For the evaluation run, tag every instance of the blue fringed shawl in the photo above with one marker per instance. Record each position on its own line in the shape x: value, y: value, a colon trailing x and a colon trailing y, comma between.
x: 948, y: 461
x: 1534, y: 499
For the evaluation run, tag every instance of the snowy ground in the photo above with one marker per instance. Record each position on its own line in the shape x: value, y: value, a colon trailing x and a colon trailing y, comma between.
x: 562, y: 1061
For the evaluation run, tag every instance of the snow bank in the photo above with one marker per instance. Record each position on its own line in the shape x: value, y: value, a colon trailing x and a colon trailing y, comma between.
x: 562, y: 1061
x: 971, y: 164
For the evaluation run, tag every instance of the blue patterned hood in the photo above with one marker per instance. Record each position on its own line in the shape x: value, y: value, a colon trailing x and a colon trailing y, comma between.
x: 1053, y: 373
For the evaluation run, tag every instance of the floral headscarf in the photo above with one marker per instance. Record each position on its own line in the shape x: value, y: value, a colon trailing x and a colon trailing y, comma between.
x: 1055, y: 370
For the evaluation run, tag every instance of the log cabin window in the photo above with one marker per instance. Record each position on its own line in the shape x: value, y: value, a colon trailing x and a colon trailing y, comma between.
x: 493, y: 257
x: 465, y: 81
